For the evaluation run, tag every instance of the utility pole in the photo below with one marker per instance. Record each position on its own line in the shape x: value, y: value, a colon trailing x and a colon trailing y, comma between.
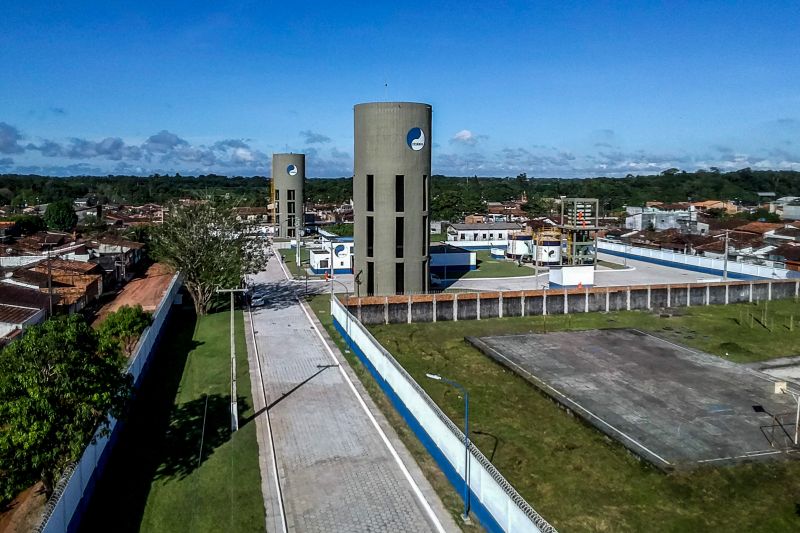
x: 50, y: 279
x: 298, y: 249
x: 725, y: 264
x: 234, y: 401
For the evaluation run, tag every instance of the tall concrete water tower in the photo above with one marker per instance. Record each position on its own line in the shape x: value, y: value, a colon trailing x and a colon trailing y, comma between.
x: 390, y: 197
x: 288, y: 176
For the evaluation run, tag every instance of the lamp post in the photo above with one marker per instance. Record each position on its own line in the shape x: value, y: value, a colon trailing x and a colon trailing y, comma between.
x: 725, y: 263
x: 234, y: 400
x: 340, y: 283
x: 782, y: 388
x: 437, y: 377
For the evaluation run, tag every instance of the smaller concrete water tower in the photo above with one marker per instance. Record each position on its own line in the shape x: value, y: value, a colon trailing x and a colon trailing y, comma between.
x: 288, y: 178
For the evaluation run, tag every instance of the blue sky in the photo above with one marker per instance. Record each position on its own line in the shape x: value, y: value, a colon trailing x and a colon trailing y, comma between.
x: 558, y: 89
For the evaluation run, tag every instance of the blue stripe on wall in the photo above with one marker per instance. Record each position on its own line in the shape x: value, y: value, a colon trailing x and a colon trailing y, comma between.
x: 733, y: 275
x: 478, y: 509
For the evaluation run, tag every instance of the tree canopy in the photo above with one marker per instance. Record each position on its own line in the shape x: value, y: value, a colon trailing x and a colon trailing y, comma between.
x: 60, y: 215
x: 209, y: 246
x: 451, y: 197
x: 121, y: 329
x: 58, y: 383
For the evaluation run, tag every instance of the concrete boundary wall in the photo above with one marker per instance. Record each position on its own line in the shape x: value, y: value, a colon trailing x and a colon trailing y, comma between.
x: 476, y: 306
x: 696, y: 263
x: 494, y: 501
x: 71, y: 496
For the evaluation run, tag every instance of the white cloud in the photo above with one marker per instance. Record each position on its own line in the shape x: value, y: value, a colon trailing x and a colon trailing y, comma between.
x: 466, y: 137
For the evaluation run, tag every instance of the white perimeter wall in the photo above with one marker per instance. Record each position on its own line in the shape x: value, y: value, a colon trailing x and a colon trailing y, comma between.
x: 501, y: 500
x: 696, y: 261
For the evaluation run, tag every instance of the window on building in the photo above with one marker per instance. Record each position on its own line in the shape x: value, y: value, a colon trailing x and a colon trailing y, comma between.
x: 463, y: 236
x: 491, y: 236
x: 277, y: 195
x: 290, y: 232
x: 425, y: 237
x: 290, y: 195
x: 399, y: 193
x: 474, y: 236
x: 399, y: 278
x: 324, y: 263
x: 277, y: 219
x: 370, y: 278
x: 290, y: 221
x: 290, y: 207
x: 370, y: 236
x: 398, y: 237
x: 425, y: 276
x: 424, y: 192
x: 370, y: 192
x: 484, y: 237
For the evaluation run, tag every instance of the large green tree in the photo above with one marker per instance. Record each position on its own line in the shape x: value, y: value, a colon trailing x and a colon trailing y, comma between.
x: 121, y: 329
x: 29, y: 224
x: 211, y: 249
x: 58, y: 384
x: 60, y: 216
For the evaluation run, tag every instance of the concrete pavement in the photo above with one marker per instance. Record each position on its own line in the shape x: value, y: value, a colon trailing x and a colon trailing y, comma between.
x: 637, y: 273
x: 329, y: 459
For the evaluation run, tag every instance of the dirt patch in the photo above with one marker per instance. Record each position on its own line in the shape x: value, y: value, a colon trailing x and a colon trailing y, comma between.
x: 146, y: 291
x: 24, y: 512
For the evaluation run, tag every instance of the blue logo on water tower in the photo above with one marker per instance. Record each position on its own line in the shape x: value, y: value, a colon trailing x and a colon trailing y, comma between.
x: 292, y: 170
x: 415, y: 139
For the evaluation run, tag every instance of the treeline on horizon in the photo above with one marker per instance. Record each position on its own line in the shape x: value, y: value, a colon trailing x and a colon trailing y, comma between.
x: 450, y: 196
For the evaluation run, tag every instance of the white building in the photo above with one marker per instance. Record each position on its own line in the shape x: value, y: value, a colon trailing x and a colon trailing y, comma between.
x: 336, y: 251
x: 650, y: 218
x: 449, y: 262
x: 482, y: 236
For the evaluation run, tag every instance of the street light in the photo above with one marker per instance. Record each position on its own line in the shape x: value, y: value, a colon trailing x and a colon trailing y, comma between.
x: 346, y: 289
x: 437, y: 377
x: 782, y: 388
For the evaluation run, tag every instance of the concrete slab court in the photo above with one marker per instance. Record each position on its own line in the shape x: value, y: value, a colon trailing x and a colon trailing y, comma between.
x: 675, y: 407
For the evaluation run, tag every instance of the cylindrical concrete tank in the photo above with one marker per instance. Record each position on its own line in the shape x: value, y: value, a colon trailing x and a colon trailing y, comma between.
x: 390, y: 197
x: 549, y: 252
x: 288, y: 175
x: 521, y: 245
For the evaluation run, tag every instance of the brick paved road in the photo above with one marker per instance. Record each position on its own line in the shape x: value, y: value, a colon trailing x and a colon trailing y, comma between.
x: 335, y: 470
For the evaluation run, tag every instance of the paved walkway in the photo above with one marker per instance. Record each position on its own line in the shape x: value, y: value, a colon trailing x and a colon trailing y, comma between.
x: 340, y: 467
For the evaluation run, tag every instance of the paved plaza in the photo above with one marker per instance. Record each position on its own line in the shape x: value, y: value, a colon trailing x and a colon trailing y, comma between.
x: 673, y: 406
x: 330, y: 461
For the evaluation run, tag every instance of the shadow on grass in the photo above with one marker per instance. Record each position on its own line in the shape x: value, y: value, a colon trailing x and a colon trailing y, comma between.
x: 121, y: 493
x: 196, y: 429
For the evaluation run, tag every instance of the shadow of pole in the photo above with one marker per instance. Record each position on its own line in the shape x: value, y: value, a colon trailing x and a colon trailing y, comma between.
x: 322, y: 368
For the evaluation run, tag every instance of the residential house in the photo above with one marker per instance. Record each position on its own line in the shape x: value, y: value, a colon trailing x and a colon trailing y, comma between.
x: 789, y: 254
x: 251, y: 214
x: 21, y: 307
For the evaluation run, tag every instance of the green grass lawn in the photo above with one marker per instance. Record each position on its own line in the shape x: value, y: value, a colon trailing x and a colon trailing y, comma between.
x: 438, y: 237
x: 157, y: 479
x: 572, y: 474
x: 610, y: 264
x: 497, y: 268
x: 290, y: 261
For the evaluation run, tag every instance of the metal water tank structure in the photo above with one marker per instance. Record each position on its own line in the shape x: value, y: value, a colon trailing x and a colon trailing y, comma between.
x: 288, y: 178
x: 390, y: 197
